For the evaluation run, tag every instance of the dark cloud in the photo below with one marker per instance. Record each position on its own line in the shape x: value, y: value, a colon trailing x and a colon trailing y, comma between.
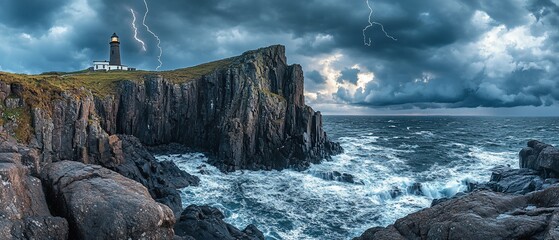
x: 449, y: 53
x: 32, y: 15
x: 316, y: 77
x: 314, y: 81
x: 542, y: 8
x: 349, y: 75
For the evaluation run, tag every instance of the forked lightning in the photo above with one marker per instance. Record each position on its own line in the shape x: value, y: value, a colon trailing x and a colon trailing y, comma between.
x: 371, y: 23
x: 157, y: 37
x: 136, y: 30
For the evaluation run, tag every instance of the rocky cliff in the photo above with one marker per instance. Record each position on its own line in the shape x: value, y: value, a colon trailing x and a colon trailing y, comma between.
x: 246, y: 112
x: 249, y: 113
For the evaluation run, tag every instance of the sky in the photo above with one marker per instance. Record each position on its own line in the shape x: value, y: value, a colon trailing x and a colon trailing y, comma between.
x: 439, y: 57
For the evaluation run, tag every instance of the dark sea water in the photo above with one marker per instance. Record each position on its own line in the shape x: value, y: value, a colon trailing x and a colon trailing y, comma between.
x: 400, y: 165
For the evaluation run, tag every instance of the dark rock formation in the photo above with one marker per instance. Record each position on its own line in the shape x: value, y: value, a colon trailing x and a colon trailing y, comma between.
x: 24, y: 213
x: 162, y: 179
x: 337, y: 176
x: 511, y: 206
x: 540, y: 157
x: 248, y: 113
x: 206, y: 223
x: 415, y: 189
x: 539, y: 164
x: 519, y: 181
x: 480, y: 215
x: 101, y: 204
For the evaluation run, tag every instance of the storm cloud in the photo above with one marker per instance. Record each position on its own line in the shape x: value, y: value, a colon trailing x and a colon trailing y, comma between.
x: 448, y: 54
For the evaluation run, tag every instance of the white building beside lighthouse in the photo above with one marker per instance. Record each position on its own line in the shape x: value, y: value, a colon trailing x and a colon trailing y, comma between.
x: 114, y: 62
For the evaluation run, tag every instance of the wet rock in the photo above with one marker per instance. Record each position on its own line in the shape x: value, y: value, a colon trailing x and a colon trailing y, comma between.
x: 175, y: 177
x: 162, y: 179
x: 541, y: 157
x: 170, y: 149
x: 479, y: 215
x: 206, y: 223
x: 101, y: 204
x: 518, y: 181
x: 337, y: 176
x: 202, y: 169
x: 549, y: 182
x: 395, y: 192
x: 415, y: 189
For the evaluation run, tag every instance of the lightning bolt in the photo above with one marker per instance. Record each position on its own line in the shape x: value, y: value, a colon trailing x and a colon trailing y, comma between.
x: 136, y: 30
x: 152, y: 33
x: 371, y: 24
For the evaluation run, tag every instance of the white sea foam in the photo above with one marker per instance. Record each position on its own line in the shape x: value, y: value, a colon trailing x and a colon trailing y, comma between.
x: 303, y: 205
x: 425, y: 133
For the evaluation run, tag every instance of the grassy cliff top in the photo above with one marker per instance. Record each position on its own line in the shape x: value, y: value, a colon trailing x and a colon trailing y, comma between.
x: 99, y: 82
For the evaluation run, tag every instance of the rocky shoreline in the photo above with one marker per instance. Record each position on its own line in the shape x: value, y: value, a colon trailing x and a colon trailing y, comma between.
x: 515, y: 204
x: 80, y: 168
x: 84, y: 167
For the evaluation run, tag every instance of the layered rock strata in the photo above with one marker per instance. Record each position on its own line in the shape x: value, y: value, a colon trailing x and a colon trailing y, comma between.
x: 248, y: 113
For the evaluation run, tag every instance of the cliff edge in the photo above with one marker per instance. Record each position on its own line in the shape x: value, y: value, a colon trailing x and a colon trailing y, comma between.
x: 73, y: 156
x: 247, y: 112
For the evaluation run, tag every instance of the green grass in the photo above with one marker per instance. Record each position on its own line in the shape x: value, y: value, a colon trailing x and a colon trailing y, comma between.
x: 22, y: 117
x: 191, y: 73
x: 40, y: 90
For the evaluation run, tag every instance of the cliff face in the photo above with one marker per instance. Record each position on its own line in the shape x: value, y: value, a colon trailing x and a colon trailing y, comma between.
x: 249, y: 114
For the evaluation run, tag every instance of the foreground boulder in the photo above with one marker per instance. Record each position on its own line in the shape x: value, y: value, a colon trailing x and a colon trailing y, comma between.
x: 101, y: 204
x: 24, y: 213
x: 162, y: 179
x: 206, y: 223
x: 480, y: 215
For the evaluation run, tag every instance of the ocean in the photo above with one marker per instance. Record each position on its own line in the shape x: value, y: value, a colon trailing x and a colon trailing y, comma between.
x: 399, y: 165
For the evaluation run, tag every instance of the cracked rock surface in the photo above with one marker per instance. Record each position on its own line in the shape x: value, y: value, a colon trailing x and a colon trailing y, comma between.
x: 101, y: 204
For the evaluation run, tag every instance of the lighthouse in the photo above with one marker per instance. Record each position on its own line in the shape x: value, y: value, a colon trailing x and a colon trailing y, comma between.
x: 115, y: 50
x: 114, y: 62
